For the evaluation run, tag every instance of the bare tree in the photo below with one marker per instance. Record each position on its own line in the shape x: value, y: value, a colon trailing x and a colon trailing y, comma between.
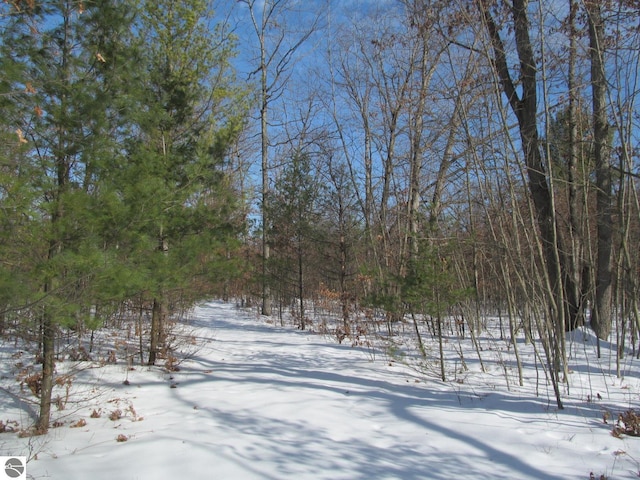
x: 525, y: 107
x: 277, y: 53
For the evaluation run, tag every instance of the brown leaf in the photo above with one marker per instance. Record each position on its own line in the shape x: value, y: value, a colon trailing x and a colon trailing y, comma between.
x: 20, y: 134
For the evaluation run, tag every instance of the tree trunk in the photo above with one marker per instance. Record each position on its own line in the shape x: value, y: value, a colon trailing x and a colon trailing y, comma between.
x: 601, y: 314
x: 301, y: 283
x: 48, y: 365
x: 576, y: 222
x: 266, y: 293
x: 157, y: 321
x: 416, y: 155
x: 423, y: 351
x: 264, y: 159
x: 344, y: 294
x: 443, y: 374
x: 159, y: 311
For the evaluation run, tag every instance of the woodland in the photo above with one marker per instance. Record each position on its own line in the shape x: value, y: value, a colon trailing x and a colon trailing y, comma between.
x: 439, y: 165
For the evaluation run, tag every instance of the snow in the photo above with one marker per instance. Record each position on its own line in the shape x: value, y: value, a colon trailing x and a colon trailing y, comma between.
x: 256, y: 401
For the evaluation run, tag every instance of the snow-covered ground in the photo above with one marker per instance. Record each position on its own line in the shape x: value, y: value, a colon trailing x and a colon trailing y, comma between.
x: 257, y: 401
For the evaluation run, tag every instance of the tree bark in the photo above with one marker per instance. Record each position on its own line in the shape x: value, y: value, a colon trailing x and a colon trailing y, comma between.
x: 159, y: 311
x: 601, y: 314
x: 576, y: 223
x: 48, y: 365
x: 264, y: 145
x: 156, y: 327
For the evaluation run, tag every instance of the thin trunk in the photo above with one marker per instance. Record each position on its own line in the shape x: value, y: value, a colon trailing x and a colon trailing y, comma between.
x: 48, y: 324
x: 301, y: 285
x: 56, y: 245
x: 393, y: 132
x: 264, y: 144
x: 512, y: 319
x: 443, y: 375
x: 386, y: 189
x: 576, y: 235
x: 157, y: 315
x: 423, y: 352
x: 159, y: 311
x: 561, y: 312
x: 140, y: 329
x: 447, y: 159
x: 344, y: 294
x: 474, y: 340
x: 601, y: 315
x: 417, y: 150
x: 48, y: 366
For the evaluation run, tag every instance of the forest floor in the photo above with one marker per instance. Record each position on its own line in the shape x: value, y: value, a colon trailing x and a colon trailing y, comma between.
x: 247, y: 399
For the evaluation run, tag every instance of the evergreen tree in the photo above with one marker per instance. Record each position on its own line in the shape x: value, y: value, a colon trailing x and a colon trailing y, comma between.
x: 292, y: 209
x: 62, y: 56
x: 118, y: 116
x: 182, y: 207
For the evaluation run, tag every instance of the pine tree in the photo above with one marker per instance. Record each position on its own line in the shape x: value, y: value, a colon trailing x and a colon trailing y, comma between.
x: 62, y: 55
x: 182, y: 208
x: 292, y: 209
x: 111, y: 181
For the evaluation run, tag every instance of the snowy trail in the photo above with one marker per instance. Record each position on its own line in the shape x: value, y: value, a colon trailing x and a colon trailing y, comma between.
x: 324, y: 410
x: 260, y: 402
